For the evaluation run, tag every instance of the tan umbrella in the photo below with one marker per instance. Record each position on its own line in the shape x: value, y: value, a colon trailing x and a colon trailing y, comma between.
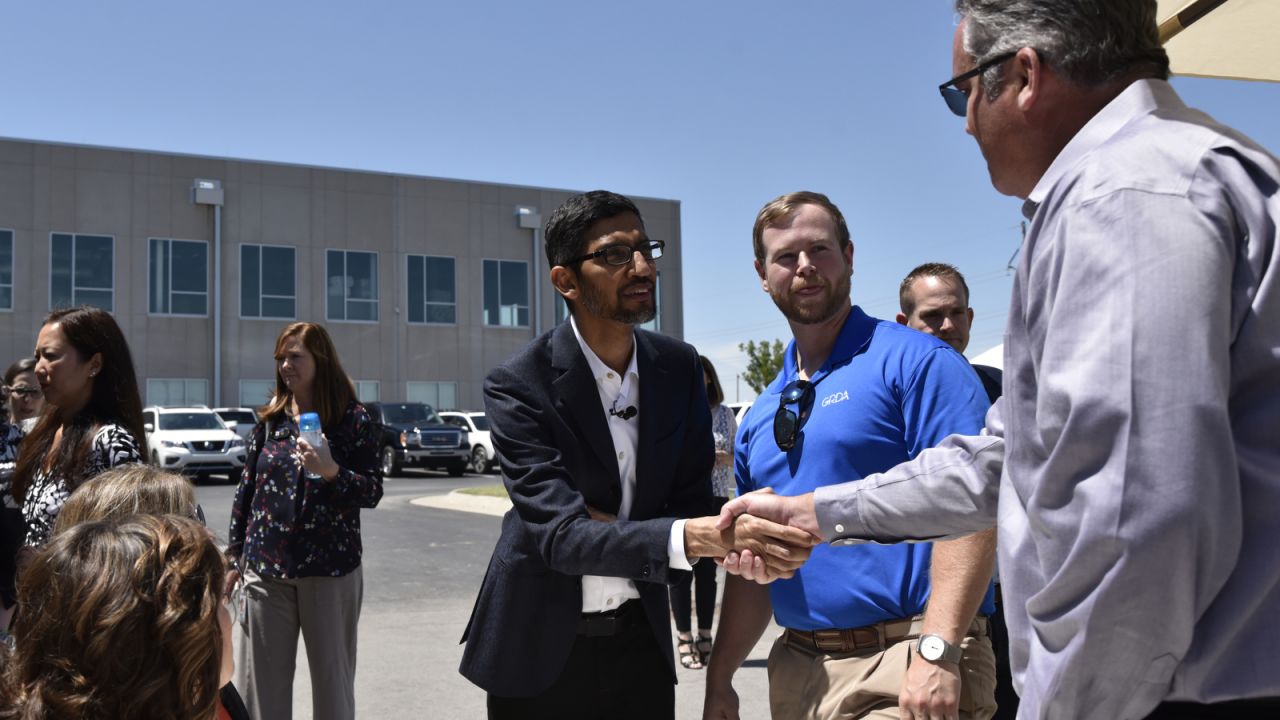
x: 1235, y: 39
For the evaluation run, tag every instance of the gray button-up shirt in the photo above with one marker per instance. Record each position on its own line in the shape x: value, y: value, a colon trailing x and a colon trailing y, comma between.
x: 1134, y: 460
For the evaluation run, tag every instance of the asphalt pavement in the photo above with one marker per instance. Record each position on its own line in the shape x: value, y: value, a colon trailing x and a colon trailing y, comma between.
x: 422, y: 568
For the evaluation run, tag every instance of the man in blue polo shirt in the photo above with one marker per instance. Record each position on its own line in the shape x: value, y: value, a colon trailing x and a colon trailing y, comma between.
x: 856, y: 396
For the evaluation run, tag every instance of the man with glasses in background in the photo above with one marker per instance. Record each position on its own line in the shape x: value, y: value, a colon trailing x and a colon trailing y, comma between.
x: 604, y: 436
x: 870, y: 631
x: 1134, y: 454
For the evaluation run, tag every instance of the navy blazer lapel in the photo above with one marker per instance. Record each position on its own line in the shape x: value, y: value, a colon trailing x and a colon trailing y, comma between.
x: 576, y: 392
x: 655, y: 408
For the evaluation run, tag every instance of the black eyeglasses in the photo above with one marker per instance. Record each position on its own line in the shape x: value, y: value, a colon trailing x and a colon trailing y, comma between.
x: 787, y: 422
x: 623, y: 254
x: 24, y: 392
x: 957, y: 99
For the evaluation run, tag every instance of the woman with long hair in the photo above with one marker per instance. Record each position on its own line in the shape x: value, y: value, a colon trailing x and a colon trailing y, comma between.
x: 295, y: 531
x: 25, y: 402
x: 94, y: 416
x: 121, y: 621
x: 696, y: 653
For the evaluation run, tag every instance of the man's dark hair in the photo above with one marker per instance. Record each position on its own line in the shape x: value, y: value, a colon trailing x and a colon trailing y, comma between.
x: 563, y: 236
x: 1089, y: 42
x: 942, y: 271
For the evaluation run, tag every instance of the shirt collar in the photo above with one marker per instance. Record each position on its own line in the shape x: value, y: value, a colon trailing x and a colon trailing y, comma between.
x: 854, y: 337
x: 599, y: 370
x: 1140, y: 98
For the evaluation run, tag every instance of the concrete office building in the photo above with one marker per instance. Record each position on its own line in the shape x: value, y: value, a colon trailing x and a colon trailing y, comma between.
x: 424, y: 283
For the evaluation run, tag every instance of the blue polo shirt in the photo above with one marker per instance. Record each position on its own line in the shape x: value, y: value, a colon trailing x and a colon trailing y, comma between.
x: 885, y: 393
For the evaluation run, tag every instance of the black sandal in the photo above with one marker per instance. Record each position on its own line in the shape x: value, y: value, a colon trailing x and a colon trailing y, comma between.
x: 689, y: 657
x: 703, y: 646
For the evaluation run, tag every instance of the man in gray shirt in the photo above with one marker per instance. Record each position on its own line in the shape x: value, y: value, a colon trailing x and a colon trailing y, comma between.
x: 1135, y: 456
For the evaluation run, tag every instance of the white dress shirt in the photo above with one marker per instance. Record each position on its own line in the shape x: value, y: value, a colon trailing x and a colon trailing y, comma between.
x: 601, y: 593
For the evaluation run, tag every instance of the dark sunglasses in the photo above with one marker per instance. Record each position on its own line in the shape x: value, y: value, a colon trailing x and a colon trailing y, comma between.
x: 787, y: 422
x: 623, y: 254
x: 957, y: 98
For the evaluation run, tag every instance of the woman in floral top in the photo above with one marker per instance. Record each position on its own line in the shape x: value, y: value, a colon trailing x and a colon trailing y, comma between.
x: 694, y: 654
x: 93, y: 419
x: 296, y: 537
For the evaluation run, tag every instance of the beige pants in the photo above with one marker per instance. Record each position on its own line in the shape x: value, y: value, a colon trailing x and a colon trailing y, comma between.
x: 808, y: 685
x: 326, y: 610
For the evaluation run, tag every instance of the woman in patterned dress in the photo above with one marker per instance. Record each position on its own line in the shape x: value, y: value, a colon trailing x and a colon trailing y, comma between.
x: 694, y: 654
x: 93, y: 416
x: 295, y: 532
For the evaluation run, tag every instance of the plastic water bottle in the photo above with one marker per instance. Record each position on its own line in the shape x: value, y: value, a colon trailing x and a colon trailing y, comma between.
x: 309, y: 428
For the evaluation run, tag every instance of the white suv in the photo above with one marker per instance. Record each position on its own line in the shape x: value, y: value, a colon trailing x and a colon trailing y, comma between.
x: 193, y: 441
x: 239, y: 419
x: 483, y: 458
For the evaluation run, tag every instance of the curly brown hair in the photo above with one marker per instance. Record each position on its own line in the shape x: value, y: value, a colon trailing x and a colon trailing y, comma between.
x: 119, y: 621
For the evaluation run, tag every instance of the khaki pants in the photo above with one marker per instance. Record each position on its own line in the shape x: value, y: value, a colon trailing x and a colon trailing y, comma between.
x: 326, y: 610
x: 808, y: 685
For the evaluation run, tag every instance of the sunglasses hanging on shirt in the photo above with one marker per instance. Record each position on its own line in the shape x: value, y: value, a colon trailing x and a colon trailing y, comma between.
x: 787, y: 422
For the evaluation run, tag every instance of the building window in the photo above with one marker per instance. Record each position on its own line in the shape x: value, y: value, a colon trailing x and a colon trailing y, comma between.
x: 506, y: 293
x: 177, y: 392
x: 433, y: 296
x: 268, y: 282
x: 562, y: 308
x: 256, y: 393
x: 367, y: 390
x: 352, y: 286
x: 6, y: 269
x: 656, y: 323
x: 179, y: 273
x: 439, y: 395
x: 82, y: 271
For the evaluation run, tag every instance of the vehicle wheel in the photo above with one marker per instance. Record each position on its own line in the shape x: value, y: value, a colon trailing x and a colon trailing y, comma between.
x: 479, y: 460
x: 155, y: 458
x: 457, y: 469
x: 390, y: 468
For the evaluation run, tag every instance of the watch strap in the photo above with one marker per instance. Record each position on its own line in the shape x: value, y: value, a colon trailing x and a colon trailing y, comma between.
x: 950, y: 653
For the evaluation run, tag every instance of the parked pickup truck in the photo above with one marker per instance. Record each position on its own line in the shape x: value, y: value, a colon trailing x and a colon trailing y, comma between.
x: 414, y: 436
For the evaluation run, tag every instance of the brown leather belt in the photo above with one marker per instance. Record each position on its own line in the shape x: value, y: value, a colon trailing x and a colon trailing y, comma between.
x: 612, y: 622
x: 876, y: 637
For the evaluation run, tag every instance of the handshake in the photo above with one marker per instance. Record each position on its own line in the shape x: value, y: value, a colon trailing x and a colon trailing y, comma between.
x: 759, y: 536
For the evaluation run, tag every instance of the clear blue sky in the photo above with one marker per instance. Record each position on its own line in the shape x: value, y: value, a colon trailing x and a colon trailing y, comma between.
x: 721, y: 104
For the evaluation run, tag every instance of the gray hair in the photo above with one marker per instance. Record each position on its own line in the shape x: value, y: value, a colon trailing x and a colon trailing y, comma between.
x: 1089, y: 42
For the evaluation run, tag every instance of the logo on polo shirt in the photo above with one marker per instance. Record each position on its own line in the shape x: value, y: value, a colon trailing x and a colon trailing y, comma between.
x: 834, y: 398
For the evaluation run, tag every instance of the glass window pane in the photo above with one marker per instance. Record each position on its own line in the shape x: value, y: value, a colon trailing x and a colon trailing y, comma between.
x: 491, y: 304
x: 522, y: 315
x: 440, y: 287
x: 448, y: 393
x: 249, y: 290
x: 97, y: 298
x: 362, y: 310
x: 515, y: 284
x: 159, y: 265
x: 190, y: 266
x: 195, y: 392
x: 190, y: 303
x: 6, y: 257
x: 336, y: 285
x: 256, y: 393
x: 280, y: 308
x: 415, y: 289
x: 93, y: 262
x: 362, y: 270
x: 278, y: 271
x: 60, y: 271
x: 6, y: 297
x: 442, y: 313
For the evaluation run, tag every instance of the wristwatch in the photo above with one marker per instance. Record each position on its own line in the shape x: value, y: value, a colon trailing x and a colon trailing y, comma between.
x: 934, y: 648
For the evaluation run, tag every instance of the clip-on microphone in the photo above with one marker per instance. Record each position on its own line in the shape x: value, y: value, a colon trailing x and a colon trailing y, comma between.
x: 625, y: 413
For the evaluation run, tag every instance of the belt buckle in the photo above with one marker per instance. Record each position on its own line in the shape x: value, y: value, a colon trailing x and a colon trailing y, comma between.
x: 829, y: 641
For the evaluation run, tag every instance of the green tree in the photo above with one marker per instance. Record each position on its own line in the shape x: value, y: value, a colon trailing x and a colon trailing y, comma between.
x: 764, y: 361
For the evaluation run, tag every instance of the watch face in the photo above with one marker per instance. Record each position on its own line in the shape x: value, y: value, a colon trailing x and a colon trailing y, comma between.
x: 931, y: 647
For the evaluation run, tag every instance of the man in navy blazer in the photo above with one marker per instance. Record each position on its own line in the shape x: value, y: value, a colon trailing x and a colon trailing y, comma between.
x: 604, y: 436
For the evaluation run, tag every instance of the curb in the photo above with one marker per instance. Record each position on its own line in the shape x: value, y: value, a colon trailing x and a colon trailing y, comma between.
x: 465, y: 502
